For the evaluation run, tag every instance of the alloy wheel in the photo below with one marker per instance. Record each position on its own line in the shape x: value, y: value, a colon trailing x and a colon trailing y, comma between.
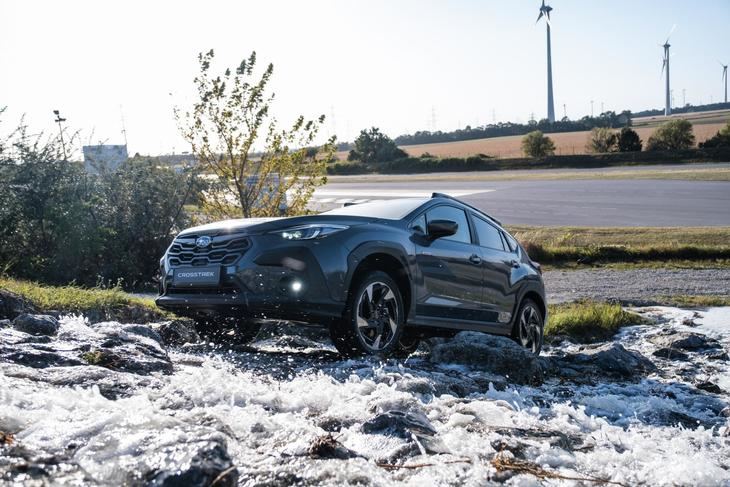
x: 377, y: 316
x: 530, y: 329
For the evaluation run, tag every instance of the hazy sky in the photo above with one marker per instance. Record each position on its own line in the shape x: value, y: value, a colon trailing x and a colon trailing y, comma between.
x: 388, y: 63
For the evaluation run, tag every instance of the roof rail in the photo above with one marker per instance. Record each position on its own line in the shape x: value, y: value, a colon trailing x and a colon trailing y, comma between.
x: 449, y: 197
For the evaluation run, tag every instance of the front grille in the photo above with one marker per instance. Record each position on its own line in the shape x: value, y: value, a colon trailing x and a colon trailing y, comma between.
x: 223, y: 250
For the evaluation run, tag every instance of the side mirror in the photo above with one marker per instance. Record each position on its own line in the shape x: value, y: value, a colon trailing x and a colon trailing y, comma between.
x: 441, y: 228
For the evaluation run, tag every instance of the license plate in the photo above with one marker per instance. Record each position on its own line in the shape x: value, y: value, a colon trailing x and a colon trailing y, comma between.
x: 196, y: 276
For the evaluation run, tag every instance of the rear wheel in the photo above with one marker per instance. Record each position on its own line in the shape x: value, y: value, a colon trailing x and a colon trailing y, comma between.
x: 373, y: 319
x: 236, y: 331
x: 528, y: 327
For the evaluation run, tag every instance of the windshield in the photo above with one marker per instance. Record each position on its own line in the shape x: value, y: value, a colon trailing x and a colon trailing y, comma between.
x: 394, y: 209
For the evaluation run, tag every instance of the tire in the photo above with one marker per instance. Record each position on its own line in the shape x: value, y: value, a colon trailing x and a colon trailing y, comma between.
x: 374, y: 318
x: 408, y: 344
x: 234, y: 331
x: 529, y: 326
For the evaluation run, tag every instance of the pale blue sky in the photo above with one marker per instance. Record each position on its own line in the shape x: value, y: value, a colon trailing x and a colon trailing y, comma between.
x: 386, y: 63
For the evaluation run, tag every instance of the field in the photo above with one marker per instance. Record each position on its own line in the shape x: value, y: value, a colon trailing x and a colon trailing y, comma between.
x: 706, y: 124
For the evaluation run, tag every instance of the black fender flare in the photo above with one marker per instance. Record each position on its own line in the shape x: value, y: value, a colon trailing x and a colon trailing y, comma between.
x: 529, y: 286
x: 395, y: 250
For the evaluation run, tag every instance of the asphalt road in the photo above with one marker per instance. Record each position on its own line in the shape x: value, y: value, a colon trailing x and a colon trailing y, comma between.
x: 640, y: 202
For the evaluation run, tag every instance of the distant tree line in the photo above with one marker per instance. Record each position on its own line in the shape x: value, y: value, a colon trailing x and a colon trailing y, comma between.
x: 685, y: 109
x: 608, y: 119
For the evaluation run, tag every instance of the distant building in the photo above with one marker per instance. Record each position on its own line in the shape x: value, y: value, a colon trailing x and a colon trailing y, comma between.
x: 104, y: 158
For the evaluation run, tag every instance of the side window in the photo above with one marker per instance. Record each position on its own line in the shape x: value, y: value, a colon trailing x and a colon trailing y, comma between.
x: 455, y: 215
x: 488, y: 235
x: 419, y: 224
x: 511, y: 242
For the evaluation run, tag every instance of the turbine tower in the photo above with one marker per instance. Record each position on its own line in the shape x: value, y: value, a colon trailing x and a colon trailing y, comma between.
x: 545, y: 12
x: 724, y: 78
x: 665, y: 65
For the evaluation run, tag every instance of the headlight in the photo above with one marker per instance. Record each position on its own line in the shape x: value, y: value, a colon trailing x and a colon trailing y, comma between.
x: 309, y: 232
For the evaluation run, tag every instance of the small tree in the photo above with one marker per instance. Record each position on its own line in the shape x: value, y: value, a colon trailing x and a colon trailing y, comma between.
x: 259, y: 170
x: 536, y: 144
x: 601, y: 139
x: 374, y: 146
x: 672, y: 135
x: 628, y: 140
x: 720, y: 139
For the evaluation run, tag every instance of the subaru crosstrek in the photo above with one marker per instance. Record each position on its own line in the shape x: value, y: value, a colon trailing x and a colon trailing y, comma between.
x: 380, y: 275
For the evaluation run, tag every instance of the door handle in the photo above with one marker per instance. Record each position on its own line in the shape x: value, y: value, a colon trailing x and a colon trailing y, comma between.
x: 475, y: 259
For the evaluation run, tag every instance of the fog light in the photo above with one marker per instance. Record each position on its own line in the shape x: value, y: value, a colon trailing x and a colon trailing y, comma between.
x: 296, y: 286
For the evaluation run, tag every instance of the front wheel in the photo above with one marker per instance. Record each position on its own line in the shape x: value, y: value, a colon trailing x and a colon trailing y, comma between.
x: 373, y: 320
x: 528, y: 328
x: 235, y: 331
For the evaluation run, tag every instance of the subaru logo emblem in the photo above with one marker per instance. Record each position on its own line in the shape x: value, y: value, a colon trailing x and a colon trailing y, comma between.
x: 203, y: 241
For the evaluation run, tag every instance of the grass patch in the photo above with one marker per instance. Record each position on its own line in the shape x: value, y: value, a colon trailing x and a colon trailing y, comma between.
x: 73, y: 299
x: 95, y: 357
x: 693, y: 301
x: 589, y: 321
x: 691, y: 247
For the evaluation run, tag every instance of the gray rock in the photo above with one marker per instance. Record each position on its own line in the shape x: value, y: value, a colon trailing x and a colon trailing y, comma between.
x: 496, y: 354
x: 36, y: 324
x: 5, y: 323
x: 610, y: 360
x: 201, y: 466
x: 685, y: 341
x: 399, y: 423
x: 177, y: 332
x: 671, y: 354
x: 12, y: 305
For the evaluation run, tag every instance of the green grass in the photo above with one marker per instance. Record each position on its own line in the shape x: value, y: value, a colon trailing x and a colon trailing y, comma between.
x: 693, y: 301
x: 73, y: 299
x: 627, y: 247
x: 589, y: 321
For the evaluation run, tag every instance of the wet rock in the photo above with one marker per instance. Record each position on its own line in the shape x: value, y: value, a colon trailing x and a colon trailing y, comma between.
x: 399, y: 423
x: 12, y: 305
x: 177, y: 332
x: 5, y: 323
x: 327, y: 446
x: 608, y: 360
x: 495, y: 354
x: 709, y: 387
x: 665, y: 417
x: 671, y: 354
x: 36, y: 324
x: 207, y: 464
x: 685, y: 341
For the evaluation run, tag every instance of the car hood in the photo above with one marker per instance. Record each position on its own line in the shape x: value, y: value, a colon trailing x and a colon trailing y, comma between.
x: 261, y: 225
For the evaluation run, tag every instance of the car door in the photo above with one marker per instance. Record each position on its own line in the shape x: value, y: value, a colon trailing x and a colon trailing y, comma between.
x: 450, y: 268
x: 499, y: 265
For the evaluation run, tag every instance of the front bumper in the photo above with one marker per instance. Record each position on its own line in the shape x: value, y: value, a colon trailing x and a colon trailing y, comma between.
x: 296, y: 281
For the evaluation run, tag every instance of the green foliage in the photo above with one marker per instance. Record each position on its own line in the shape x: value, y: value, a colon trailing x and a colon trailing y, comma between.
x: 535, y: 144
x: 628, y: 140
x: 720, y: 139
x: 601, y: 140
x: 588, y: 321
x: 59, y: 224
x: 672, y: 135
x: 373, y: 146
x: 230, y: 118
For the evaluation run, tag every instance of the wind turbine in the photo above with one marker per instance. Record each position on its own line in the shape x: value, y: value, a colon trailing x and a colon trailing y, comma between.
x: 724, y: 77
x: 665, y: 64
x: 545, y: 12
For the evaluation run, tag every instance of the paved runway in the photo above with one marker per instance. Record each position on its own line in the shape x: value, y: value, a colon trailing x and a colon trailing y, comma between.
x: 641, y: 202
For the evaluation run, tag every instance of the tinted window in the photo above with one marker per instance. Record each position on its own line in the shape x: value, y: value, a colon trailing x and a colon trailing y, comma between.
x: 488, y: 235
x: 455, y: 215
x: 419, y: 224
x: 511, y: 242
x: 394, y: 209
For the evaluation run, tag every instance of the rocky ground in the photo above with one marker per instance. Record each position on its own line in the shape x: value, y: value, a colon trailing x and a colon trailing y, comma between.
x: 634, y: 284
x: 127, y: 404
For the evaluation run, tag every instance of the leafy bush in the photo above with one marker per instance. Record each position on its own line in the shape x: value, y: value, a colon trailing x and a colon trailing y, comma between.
x: 720, y: 139
x: 628, y: 140
x: 535, y: 144
x: 601, y: 140
x: 672, y: 135
x: 373, y: 146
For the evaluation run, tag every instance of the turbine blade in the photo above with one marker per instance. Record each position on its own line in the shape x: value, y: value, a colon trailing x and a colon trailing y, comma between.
x: 671, y: 32
x: 539, y: 17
